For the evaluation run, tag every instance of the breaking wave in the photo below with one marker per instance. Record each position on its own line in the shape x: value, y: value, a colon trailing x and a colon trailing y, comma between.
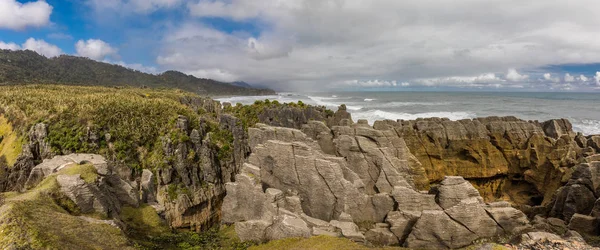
x: 374, y: 115
x: 587, y: 127
x: 321, y: 102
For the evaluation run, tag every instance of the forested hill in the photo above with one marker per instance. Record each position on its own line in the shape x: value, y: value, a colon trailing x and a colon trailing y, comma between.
x: 22, y: 67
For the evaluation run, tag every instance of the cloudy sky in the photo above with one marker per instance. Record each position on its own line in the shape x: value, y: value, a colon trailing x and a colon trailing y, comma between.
x: 327, y: 44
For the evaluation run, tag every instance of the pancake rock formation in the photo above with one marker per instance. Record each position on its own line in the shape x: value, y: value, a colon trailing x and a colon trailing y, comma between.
x: 290, y: 187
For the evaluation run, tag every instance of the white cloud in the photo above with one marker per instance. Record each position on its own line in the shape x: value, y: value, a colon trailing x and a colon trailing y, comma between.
x: 237, y: 10
x: 261, y: 50
x: 597, y: 78
x: 370, y: 83
x: 514, y: 76
x: 569, y: 78
x: 17, y: 16
x: 42, y: 47
x: 94, y: 49
x: 308, y: 44
x: 549, y: 77
x: 460, y: 81
x: 583, y: 78
x: 9, y: 46
x: 132, y: 6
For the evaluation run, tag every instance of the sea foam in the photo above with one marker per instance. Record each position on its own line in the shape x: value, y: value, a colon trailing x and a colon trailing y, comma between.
x: 374, y: 115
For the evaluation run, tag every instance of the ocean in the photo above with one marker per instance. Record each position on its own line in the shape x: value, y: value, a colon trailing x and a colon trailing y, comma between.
x: 582, y: 109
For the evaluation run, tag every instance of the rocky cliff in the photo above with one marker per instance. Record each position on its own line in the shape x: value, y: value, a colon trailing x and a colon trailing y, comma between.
x: 364, y: 188
x: 310, y: 171
x: 505, y: 157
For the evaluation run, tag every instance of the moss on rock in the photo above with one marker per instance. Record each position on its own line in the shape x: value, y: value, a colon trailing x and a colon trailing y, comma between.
x: 34, y: 220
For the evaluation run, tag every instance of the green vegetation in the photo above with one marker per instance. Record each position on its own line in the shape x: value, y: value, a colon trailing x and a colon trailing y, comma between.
x: 174, y: 190
x: 10, y: 143
x: 87, y: 171
x: 121, y: 123
x: 144, y: 220
x: 316, y: 242
x: 20, y: 67
x: 36, y: 220
x: 224, y: 140
x: 249, y: 114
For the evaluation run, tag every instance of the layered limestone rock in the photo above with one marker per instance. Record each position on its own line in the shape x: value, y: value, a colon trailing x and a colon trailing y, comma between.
x: 578, y: 202
x: 289, y: 187
x: 190, y: 193
x: 505, y: 157
x: 90, y: 182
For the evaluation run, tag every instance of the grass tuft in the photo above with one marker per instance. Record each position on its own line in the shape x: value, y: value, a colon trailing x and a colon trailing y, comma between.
x: 87, y: 171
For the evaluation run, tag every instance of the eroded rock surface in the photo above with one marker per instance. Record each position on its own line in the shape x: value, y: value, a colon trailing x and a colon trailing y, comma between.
x: 367, y: 192
x: 507, y: 158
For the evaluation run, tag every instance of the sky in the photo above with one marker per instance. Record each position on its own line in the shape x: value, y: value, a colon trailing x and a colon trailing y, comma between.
x: 323, y: 45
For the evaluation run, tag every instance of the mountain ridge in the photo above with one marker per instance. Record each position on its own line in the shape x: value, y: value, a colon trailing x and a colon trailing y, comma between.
x: 25, y: 66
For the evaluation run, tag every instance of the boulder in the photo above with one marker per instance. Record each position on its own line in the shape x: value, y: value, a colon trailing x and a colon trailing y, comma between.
x: 50, y: 166
x: 252, y: 230
x: 577, y: 196
x: 532, y: 237
x: 381, y: 237
x: 436, y: 230
x: 455, y: 189
x: 349, y: 230
x: 471, y: 214
x: 409, y: 199
x: 584, y: 224
x: 509, y: 219
x: 85, y: 196
x: 288, y: 226
x: 402, y: 223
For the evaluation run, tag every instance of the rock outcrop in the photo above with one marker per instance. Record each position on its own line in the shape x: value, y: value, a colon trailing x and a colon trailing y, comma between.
x: 90, y: 182
x: 505, y: 157
x: 578, y: 202
x: 290, y: 188
x: 13, y: 178
x: 192, y: 193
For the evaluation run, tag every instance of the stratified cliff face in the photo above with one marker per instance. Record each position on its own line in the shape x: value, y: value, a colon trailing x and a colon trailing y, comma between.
x: 192, y: 192
x: 186, y: 179
x: 359, y: 183
x: 505, y: 157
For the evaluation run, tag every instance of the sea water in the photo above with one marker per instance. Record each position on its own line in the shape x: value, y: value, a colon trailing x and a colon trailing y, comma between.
x: 582, y: 109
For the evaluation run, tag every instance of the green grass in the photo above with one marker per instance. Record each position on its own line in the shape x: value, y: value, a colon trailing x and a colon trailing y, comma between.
x: 316, y: 242
x: 143, y: 220
x: 87, y: 171
x: 11, y: 144
x: 35, y: 220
